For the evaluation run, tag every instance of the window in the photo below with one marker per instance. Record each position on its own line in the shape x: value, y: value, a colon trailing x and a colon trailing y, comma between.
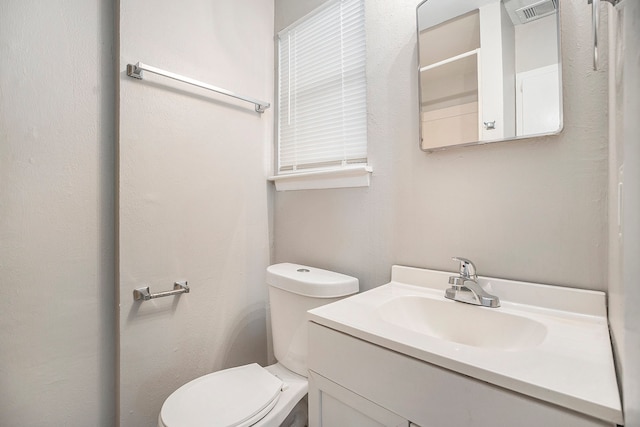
x: 322, y: 112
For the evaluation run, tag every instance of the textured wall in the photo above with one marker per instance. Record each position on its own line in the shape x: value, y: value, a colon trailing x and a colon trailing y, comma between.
x: 624, y: 237
x: 56, y: 213
x: 193, y: 196
x: 532, y: 210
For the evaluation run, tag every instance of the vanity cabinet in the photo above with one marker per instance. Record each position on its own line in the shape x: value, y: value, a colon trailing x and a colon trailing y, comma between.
x: 335, y: 405
x: 355, y: 383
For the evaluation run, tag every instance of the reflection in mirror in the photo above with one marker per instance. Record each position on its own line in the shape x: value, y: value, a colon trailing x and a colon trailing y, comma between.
x: 489, y: 71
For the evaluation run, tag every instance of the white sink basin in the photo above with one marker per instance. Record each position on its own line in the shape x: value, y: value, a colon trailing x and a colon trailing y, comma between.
x: 547, y: 342
x: 463, y: 323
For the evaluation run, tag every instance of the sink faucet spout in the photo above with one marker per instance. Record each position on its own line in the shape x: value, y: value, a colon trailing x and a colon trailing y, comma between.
x: 465, y: 287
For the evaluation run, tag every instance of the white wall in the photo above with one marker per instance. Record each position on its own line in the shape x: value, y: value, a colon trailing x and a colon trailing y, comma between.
x: 624, y: 236
x: 193, y: 195
x: 532, y: 210
x: 57, y: 321
x: 496, y: 71
x: 536, y: 44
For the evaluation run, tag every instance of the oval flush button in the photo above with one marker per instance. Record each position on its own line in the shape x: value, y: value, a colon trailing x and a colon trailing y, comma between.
x: 303, y: 270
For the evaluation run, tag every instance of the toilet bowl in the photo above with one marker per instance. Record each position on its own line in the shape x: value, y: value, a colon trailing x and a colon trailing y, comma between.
x: 272, y: 396
x: 245, y: 396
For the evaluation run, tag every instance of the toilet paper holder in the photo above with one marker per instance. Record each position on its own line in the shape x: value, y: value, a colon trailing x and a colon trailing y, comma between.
x: 144, y: 294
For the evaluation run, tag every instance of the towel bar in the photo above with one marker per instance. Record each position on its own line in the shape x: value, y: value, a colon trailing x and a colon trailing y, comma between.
x: 135, y: 71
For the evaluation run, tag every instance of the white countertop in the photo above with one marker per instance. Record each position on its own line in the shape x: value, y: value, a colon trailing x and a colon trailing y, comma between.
x: 572, y: 367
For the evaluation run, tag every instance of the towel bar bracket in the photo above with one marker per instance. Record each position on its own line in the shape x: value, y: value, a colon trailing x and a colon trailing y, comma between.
x: 134, y: 71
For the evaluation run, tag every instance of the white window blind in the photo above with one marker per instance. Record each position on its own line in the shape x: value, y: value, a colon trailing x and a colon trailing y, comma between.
x: 322, y: 89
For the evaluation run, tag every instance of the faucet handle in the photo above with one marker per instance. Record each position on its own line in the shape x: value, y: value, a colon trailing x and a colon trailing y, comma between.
x: 467, y: 268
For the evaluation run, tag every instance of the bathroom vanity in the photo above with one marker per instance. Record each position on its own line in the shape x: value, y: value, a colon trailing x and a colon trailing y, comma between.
x: 403, y: 355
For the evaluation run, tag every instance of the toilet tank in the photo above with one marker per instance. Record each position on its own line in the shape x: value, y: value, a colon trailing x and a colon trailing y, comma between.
x: 293, y: 290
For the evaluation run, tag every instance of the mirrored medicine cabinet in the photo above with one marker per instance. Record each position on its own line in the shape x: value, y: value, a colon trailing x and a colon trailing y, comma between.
x: 489, y: 70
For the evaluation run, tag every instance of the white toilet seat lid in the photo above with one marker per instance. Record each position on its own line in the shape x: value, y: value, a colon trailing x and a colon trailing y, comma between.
x: 236, y: 397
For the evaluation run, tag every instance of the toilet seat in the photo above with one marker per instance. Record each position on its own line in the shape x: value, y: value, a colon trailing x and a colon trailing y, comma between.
x: 236, y: 397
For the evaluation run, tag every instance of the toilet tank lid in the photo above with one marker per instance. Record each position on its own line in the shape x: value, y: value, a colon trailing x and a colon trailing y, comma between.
x: 310, y: 281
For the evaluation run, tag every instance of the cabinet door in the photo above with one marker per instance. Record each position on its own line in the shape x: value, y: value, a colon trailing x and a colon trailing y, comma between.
x: 537, y: 101
x: 331, y: 405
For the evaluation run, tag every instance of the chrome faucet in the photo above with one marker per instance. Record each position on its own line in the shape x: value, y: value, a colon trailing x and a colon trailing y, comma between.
x: 465, y: 287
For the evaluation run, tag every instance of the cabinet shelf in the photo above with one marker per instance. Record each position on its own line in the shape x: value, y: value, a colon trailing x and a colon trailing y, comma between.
x: 453, y: 59
x: 450, y: 98
x: 450, y: 82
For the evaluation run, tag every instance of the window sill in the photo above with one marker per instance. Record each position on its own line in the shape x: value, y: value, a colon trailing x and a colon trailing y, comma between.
x: 350, y: 176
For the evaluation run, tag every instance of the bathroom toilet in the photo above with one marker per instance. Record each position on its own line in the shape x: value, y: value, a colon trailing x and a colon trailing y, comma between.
x: 251, y: 395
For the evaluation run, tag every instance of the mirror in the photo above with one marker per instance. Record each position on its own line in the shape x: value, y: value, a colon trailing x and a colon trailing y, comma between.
x: 489, y: 71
